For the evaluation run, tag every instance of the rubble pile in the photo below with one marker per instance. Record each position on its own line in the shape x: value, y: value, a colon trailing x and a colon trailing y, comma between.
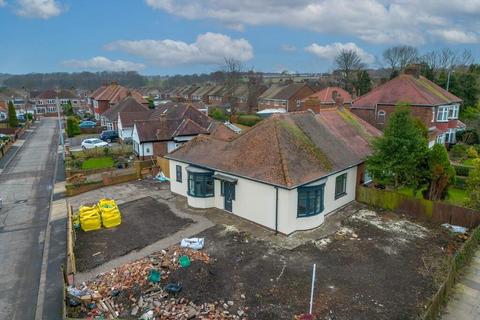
x: 130, y: 291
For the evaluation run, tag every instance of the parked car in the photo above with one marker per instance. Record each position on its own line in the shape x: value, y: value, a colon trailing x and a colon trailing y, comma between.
x: 88, y: 124
x: 93, y: 143
x: 109, y: 136
x: 21, y: 117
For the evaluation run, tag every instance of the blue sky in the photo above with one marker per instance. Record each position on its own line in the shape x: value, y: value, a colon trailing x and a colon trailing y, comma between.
x: 188, y: 36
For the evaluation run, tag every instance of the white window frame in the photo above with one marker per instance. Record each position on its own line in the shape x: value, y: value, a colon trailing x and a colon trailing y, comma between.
x: 298, y: 101
x: 381, y: 114
x: 454, y: 110
x: 442, y: 113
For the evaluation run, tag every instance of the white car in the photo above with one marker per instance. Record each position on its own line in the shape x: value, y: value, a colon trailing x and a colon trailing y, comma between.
x: 93, y: 143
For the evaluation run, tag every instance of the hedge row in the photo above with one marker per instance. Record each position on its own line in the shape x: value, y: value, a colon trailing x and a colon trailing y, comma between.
x: 462, y: 170
x: 460, y: 182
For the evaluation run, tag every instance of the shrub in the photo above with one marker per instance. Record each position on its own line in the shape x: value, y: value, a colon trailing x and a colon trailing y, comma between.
x: 30, y: 116
x: 458, y: 151
x: 460, y: 182
x: 72, y: 127
x: 469, y: 136
x: 248, y: 120
x: 472, y: 152
x: 218, y: 114
x: 462, y: 170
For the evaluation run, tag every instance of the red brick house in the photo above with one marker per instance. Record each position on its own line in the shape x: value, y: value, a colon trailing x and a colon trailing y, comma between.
x: 46, y: 103
x: 437, y: 108
x: 106, y: 97
x: 327, y: 98
x: 287, y: 96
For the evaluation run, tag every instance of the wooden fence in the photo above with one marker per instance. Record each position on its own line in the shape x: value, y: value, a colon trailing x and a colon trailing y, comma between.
x: 71, y: 268
x: 422, y: 209
x: 164, y: 165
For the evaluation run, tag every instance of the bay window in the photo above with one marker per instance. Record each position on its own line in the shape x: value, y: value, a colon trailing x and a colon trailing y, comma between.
x: 442, y: 114
x: 200, y: 184
x: 310, y: 201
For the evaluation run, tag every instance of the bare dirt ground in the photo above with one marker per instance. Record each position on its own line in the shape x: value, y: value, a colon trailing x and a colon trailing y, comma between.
x: 144, y: 221
x: 376, y: 266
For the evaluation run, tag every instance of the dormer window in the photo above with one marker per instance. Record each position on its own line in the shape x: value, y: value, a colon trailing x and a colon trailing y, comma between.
x: 381, y: 116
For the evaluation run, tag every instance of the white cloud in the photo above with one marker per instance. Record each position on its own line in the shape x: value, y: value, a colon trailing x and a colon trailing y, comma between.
x: 209, y: 48
x: 457, y: 36
x: 3, y: 3
x: 376, y: 21
x: 104, y: 64
x: 43, y: 9
x: 330, y: 51
x: 288, y: 47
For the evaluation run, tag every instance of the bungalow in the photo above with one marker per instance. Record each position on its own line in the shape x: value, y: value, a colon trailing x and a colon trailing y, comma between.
x: 437, y: 108
x: 128, y: 104
x: 126, y: 120
x: 216, y: 96
x: 286, y: 173
x: 287, y: 96
x: 106, y: 97
x: 329, y: 97
x: 167, y: 129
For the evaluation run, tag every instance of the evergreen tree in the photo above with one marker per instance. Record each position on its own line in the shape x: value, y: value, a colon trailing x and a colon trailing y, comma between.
x: 73, y: 127
x: 12, y: 115
x: 68, y: 109
x: 399, y: 156
x: 441, y: 172
x: 363, y: 83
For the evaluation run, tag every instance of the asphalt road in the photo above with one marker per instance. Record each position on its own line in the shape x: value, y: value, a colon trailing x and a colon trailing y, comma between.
x: 26, y: 185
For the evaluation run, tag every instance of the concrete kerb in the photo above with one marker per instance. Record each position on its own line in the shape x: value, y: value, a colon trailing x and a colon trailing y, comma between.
x: 200, y: 224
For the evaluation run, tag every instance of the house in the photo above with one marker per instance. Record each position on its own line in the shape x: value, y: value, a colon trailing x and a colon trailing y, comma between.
x: 286, y: 173
x: 437, y: 108
x: 46, y: 101
x: 216, y: 96
x: 3, y: 111
x: 201, y: 94
x: 284, y: 95
x: 128, y: 104
x: 107, y: 97
x: 167, y: 128
x: 126, y: 120
x: 329, y: 97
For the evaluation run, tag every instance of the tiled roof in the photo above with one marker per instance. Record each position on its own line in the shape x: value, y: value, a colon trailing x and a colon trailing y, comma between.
x: 203, y: 90
x: 221, y: 132
x: 409, y: 89
x: 128, y: 118
x: 52, y: 94
x: 217, y: 91
x: 282, y: 91
x: 325, y: 96
x: 128, y: 104
x: 113, y: 93
x: 173, y: 120
x: 287, y: 150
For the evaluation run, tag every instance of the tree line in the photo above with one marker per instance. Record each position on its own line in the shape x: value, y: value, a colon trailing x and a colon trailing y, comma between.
x: 455, y: 71
x: 79, y: 80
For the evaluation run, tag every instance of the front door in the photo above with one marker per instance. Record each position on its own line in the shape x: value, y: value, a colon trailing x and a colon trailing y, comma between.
x: 228, y: 194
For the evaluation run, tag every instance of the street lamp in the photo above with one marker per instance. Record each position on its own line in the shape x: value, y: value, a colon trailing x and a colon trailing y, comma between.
x: 60, y: 131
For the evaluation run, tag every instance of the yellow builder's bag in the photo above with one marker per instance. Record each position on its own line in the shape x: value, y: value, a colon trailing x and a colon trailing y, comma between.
x: 84, y: 209
x: 90, y: 220
x: 110, y: 213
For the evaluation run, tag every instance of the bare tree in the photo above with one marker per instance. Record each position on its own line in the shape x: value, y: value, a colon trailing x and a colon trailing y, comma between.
x: 233, y: 69
x: 348, y: 62
x: 399, y: 57
x: 447, y: 60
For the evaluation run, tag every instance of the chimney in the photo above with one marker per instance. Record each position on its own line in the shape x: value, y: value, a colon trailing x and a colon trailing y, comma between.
x: 338, y: 101
x: 114, y: 83
x: 413, y: 69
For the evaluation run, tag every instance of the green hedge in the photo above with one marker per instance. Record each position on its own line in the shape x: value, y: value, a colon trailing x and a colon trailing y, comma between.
x: 460, y: 182
x: 462, y: 170
x: 248, y: 120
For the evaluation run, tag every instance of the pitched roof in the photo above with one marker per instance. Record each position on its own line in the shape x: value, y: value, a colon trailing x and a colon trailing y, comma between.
x: 128, y: 118
x: 221, y: 132
x: 180, y: 111
x: 325, y: 96
x: 52, y: 94
x: 128, y: 104
x: 287, y: 150
x: 203, y: 90
x: 217, y: 91
x: 406, y: 88
x: 281, y: 91
x: 113, y: 93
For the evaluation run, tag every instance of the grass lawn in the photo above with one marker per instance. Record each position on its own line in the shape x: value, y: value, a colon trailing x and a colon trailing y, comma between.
x: 456, y: 196
x: 97, y: 163
x: 468, y: 162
